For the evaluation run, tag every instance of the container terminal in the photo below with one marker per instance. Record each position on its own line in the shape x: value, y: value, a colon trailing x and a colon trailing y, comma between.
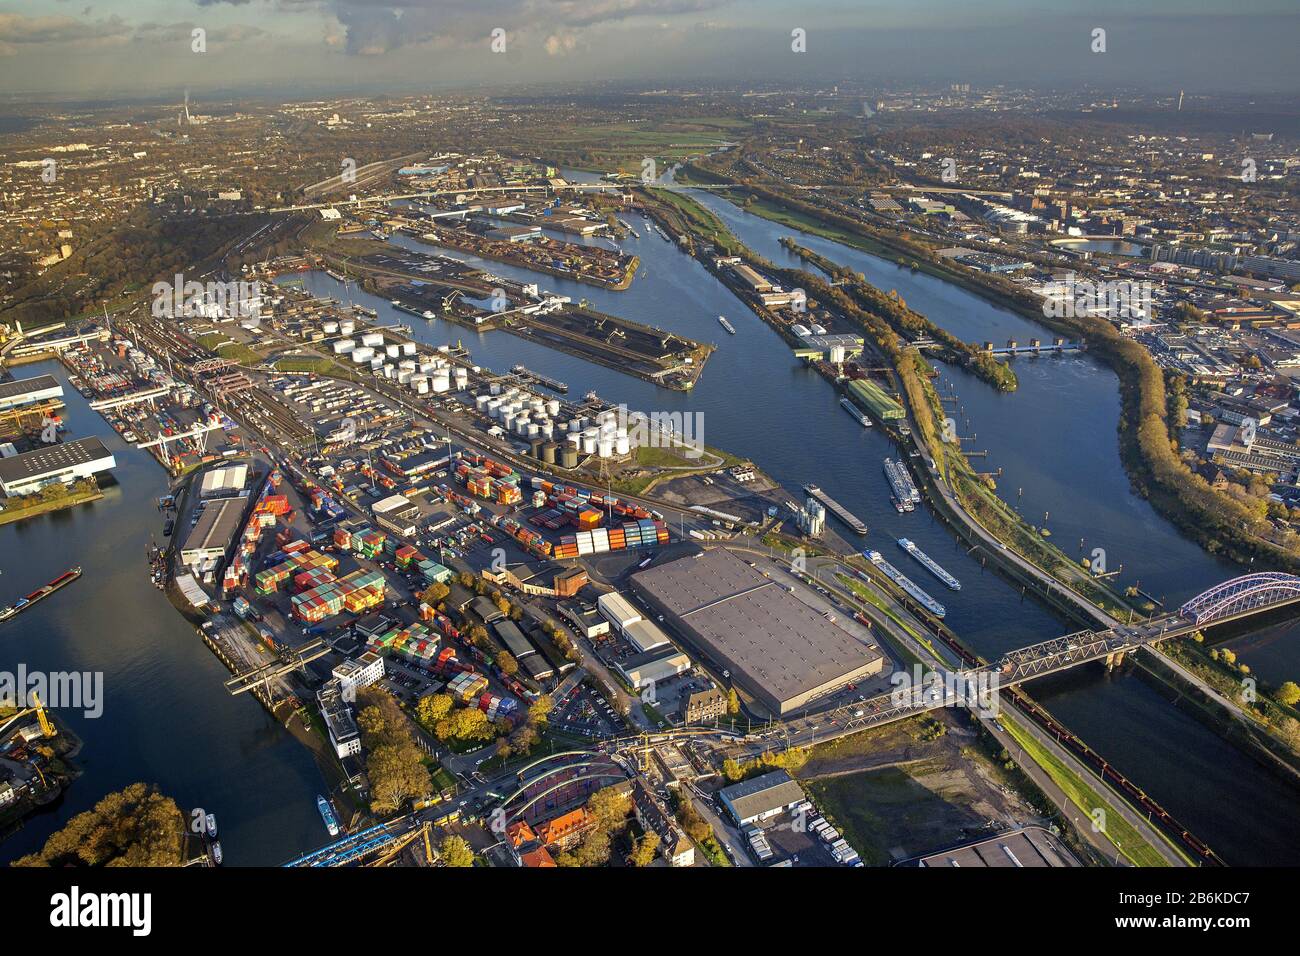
x: 906, y: 497
x: 837, y: 509
x: 929, y: 563
x: 908, y: 586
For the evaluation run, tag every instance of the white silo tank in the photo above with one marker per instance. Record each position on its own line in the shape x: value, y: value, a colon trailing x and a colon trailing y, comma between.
x: 441, y: 381
x: 404, y: 376
x: 553, y: 407
x: 574, y: 439
x: 344, y: 345
x: 605, y: 447
x: 392, y: 350
x: 347, y: 326
x: 330, y: 328
x: 481, y: 402
x: 462, y: 378
x: 421, y: 385
x: 496, y: 388
x: 588, y: 444
x: 548, y: 431
x: 408, y: 348
x: 534, y: 429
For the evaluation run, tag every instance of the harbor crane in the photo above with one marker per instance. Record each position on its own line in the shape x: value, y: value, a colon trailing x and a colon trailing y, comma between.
x: 289, y: 660
x: 47, y: 728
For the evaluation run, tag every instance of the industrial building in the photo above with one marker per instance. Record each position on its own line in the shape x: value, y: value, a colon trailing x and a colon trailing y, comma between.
x: 618, y: 611
x: 359, y: 672
x: 67, y: 462
x: 758, y: 799
x: 780, y: 649
x: 208, y: 540
x: 227, y: 482
x: 654, y: 666
x: 26, y: 391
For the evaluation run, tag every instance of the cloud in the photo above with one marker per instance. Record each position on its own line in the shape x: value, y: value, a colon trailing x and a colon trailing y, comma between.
x: 20, y: 32
x: 555, y: 45
x: 373, y: 27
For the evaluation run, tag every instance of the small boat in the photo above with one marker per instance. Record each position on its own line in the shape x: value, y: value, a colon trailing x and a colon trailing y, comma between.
x: 327, y: 814
x: 212, y: 825
x: 216, y: 852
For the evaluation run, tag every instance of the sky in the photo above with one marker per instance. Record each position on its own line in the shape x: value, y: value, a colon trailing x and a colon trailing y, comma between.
x: 105, y: 48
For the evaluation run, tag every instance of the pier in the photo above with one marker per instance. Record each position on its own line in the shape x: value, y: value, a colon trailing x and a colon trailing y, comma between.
x: 837, y: 509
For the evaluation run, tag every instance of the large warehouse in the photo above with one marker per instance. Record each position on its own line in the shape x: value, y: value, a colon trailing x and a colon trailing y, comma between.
x: 779, y: 649
x: 67, y: 462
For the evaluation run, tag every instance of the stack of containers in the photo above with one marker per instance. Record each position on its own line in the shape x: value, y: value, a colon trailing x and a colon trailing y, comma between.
x: 343, y: 538
x: 467, y: 685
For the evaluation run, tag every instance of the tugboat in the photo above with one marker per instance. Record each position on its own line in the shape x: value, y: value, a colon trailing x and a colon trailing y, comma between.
x: 216, y: 852
x: 212, y: 825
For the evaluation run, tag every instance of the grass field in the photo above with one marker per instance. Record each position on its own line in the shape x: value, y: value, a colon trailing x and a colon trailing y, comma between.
x: 1118, y: 830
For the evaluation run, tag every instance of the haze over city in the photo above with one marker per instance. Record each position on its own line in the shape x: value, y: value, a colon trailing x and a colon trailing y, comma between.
x: 94, y: 48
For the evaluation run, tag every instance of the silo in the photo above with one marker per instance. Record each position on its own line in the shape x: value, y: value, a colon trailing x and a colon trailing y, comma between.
x: 605, y: 446
x: 569, y: 457
x: 535, y: 448
x: 553, y: 407
x: 548, y: 452
x: 622, y: 445
x: 441, y: 381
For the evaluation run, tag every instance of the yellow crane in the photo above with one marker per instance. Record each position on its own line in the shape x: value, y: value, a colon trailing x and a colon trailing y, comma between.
x: 394, y: 849
x: 47, y: 728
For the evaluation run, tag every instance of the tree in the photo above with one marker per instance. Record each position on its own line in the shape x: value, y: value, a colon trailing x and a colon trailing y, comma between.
x: 137, y: 826
x: 433, y: 708
x: 732, y: 770
x: 1289, y: 694
x: 455, y: 851
x: 435, y: 594
x: 643, y: 851
x: 609, y: 808
x: 539, y: 711
x: 507, y: 664
x: 733, y: 702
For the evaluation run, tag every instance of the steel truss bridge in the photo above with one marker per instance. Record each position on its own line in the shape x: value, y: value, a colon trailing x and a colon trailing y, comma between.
x: 1232, y: 600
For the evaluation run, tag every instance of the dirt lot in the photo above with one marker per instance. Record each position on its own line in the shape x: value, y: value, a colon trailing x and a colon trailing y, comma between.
x: 904, y: 790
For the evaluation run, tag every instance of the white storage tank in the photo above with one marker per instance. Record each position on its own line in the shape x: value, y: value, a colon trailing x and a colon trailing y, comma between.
x: 404, y: 376
x: 362, y: 355
x: 421, y: 385
x: 622, y: 445
x: 574, y: 439
x: 347, y: 326
x: 481, y: 402
x: 462, y: 379
x: 372, y: 339
x: 441, y: 381
x: 344, y: 345
x: 330, y: 328
x: 408, y: 348
x: 393, y: 350
x: 605, y: 447
x: 588, y: 444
